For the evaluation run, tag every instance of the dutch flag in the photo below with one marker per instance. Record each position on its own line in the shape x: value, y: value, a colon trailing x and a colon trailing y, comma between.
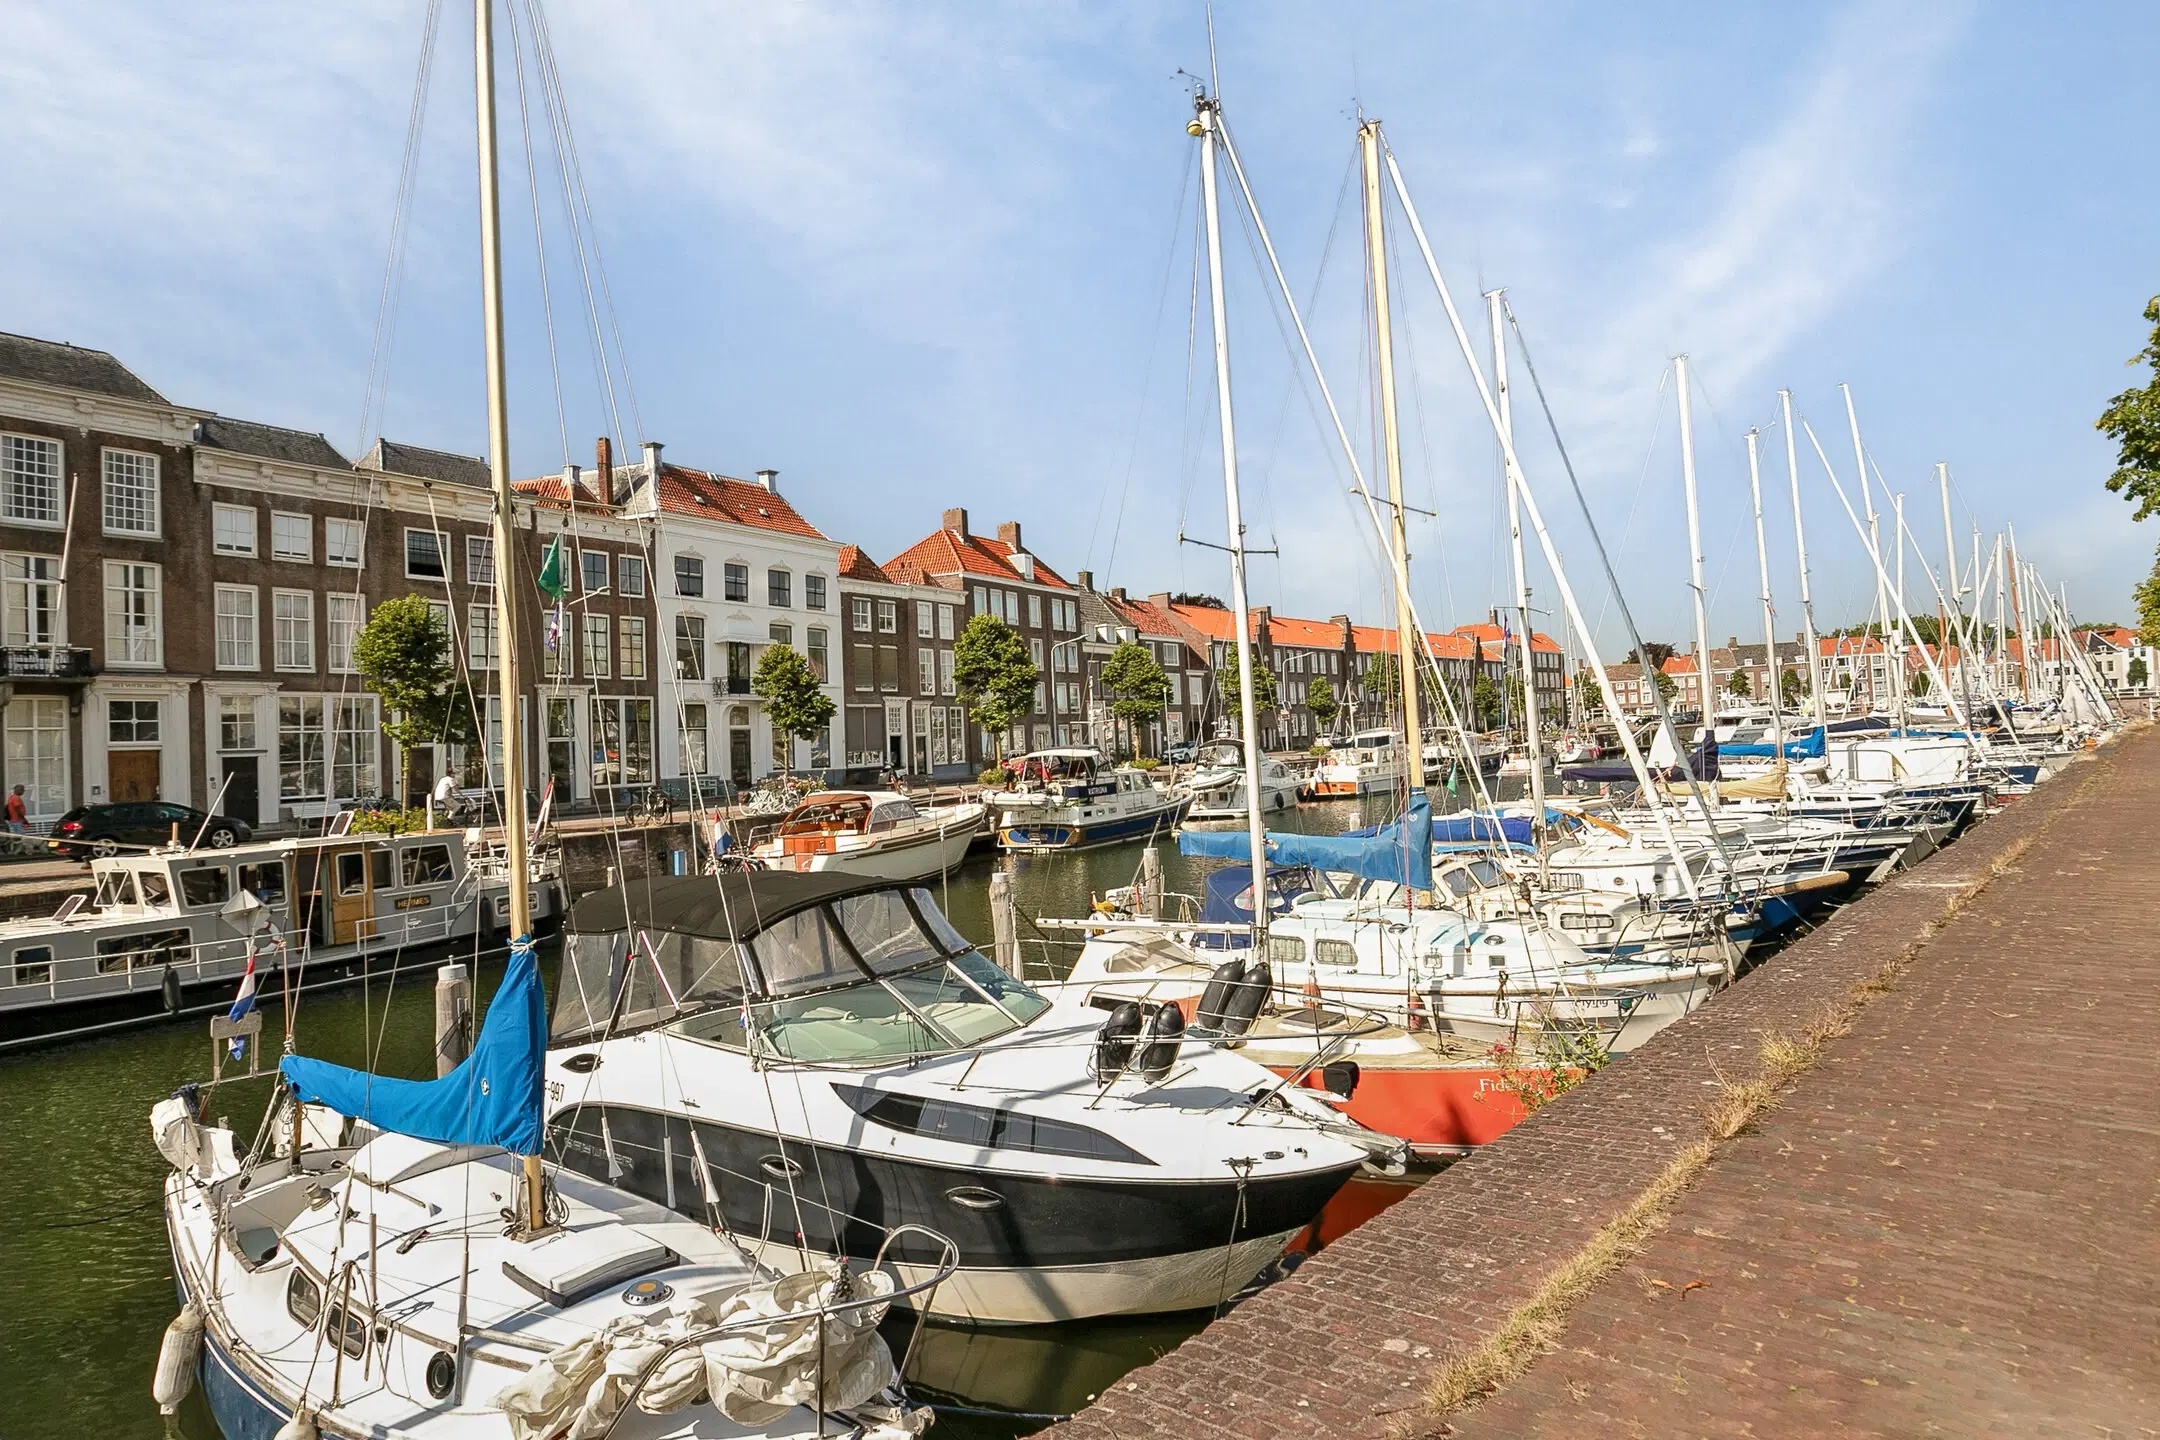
x: 243, y: 1004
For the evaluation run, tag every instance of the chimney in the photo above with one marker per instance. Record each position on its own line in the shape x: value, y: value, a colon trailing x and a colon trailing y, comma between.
x: 1086, y: 579
x: 604, y: 468
x: 956, y: 521
x: 770, y: 479
x: 1160, y: 600
x: 573, y: 479
x: 1117, y: 593
x: 1009, y: 535
x: 1732, y: 642
x: 652, y: 470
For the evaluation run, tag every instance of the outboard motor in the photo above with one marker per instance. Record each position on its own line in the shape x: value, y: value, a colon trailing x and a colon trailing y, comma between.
x: 1211, y: 1017
x: 1114, y: 1042
x: 1166, y: 1033
x: 1247, y: 998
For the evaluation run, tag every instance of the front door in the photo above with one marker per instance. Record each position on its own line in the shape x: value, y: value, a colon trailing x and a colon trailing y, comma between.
x: 352, y: 897
x: 243, y: 791
x: 738, y: 756
x: 131, y: 776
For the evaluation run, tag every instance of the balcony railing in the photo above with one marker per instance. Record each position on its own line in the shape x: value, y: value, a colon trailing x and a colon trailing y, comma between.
x: 731, y: 685
x: 45, y: 662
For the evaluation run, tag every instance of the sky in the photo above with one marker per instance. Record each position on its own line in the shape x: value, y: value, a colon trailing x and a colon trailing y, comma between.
x: 919, y: 256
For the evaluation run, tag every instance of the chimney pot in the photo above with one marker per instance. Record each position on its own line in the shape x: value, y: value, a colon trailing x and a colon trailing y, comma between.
x: 956, y: 521
x: 770, y: 479
x: 652, y: 467
x: 1087, y: 579
x: 1009, y: 535
x: 1117, y: 593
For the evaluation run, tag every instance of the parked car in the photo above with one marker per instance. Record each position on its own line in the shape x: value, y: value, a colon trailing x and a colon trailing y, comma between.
x: 1181, y: 753
x: 109, y: 829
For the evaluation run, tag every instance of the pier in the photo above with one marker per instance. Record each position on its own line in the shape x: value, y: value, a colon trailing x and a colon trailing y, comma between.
x: 1900, y: 1180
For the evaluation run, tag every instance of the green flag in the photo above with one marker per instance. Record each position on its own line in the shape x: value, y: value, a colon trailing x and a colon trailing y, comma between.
x: 551, y: 571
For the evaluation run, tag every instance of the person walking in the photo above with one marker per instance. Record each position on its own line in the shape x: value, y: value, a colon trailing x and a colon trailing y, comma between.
x: 18, y: 814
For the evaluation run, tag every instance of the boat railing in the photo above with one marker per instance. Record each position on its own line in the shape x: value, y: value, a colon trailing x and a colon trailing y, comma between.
x: 947, y: 1264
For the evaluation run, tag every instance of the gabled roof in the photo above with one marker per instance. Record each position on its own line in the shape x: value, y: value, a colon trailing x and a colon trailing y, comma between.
x: 1381, y: 640
x: 1147, y: 618
x: 555, y: 493
x: 1306, y: 634
x: 856, y: 565
x: 1213, y: 623
x: 949, y: 552
x: 684, y: 491
x: 1678, y: 665
x: 392, y: 457
x: 1486, y: 631
x: 268, y: 442
x: 52, y: 362
x: 2121, y: 637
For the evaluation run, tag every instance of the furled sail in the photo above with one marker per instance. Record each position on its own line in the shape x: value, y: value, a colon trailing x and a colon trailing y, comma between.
x: 1807, y: 747
x: 1400, y: 850
x: 493, y: 1098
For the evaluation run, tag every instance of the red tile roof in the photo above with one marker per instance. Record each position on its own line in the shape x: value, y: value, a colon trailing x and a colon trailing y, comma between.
x: 1213, y: 623
x: 1144, y: 617
x: 1486, y: 631
x: 2122, y: 637
x: 697, y: 492
x: 1373, y: 639
x: 948, y: 552
x: 855, y: 565
x: 554, y: 492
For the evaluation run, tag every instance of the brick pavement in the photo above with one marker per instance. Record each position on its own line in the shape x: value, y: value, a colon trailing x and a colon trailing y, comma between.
x: 1948, y: 1227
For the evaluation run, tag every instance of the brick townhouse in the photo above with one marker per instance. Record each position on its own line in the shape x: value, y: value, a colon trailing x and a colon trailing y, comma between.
x: 1113, y: 618
x: 900, y: 705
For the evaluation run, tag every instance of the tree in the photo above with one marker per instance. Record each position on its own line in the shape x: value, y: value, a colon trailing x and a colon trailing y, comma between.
x: 1739, y: 684
x: 1922, y: 682
x: 789, y: 688
x: 1226, y: 684
x: 1588, y: 694
x: 994, y: 676
x: 1320, y: 700
x: 2132, y: 420
x: 2136, y: 676
x: 1197, y: 600
x: 1382, y: 681
x: 404, y: 654
x: 1136, y: 685
x: 1652, y: 654
x: 1666, y: 685
x: 1485, y: 703
x: 2147, y: 599
x: 1789, y: 687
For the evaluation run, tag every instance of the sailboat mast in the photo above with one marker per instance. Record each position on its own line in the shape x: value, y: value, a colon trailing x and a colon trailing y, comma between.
x: 1952, y: 614
x: 1807, y: 601
x: 2001, y: 648
x: 1694, y: 544
x: 1204, y: 122
x: 1522, y: 579
x: 1874, y: 535
x: 2013, y: 568
x: 1769, y: 614
x: 491, y: 303
x: 1407, y: 644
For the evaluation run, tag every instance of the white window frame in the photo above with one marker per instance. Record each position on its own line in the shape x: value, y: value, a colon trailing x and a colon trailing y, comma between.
x: 220, y: 513
x: 599, y: 660
x: 123, y: 650
x: 628, y: 564
x: 442, y: 554
x: 605, y: 570
x: 814, y: 583
x: 278, y: 622
x: 631, y: 625
x: 353, y: 625
x: 859, y: 614
x: 333, y: 555
x: 483, y: 638
x: 479, y: 559
x: 17, y: 481
x: 305, y: 524
x: 107, y: 470
x: 252, y: 659
x: 18, y: 592
x: 676, y: 574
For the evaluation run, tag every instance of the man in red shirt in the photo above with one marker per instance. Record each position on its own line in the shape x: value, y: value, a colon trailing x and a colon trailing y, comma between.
x: 18, y: 818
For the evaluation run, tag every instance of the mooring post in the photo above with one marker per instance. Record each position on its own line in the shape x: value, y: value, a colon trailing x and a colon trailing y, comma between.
x: 1005, y: 923
x: 1151, y: 883
x: 453, y: 1012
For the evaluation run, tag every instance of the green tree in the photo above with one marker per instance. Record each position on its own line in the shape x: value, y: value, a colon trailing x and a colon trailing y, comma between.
x: 2147, y: 598
x: 1485, y: 703
x: 1382, y: 682
x: 2136, y: 676
x: 2132, y: 420
x: 994, y: 676
x: 1922, y: 682
x: 1789, y: 687
x: 404, y: 654
x: 1666, y: 685
x: 1137, y: 687
x: 1320, y: 700
x: 1739, y: 684
x: 1588, y: 694
x: 1226, y: 684
x: 789, y: 688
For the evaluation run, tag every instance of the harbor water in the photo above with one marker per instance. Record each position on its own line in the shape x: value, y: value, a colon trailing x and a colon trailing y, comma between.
x: 86, y: 1283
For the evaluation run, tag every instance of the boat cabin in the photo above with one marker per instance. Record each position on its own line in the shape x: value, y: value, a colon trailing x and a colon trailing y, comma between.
x: 816, y: 826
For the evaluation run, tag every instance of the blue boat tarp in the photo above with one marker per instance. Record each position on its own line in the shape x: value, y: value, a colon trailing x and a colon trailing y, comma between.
x: 1702, y: 765
x: 1400, y: 851
x: 1807, y: 747
x: 493, y: 1098
x: 1227, y: 900
x: 1483, y: 827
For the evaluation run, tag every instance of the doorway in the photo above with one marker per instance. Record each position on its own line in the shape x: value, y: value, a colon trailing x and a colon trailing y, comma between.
x: 243, y: 790
x: 352, y: 898
x: 131, y: 776
x: 738, y: 754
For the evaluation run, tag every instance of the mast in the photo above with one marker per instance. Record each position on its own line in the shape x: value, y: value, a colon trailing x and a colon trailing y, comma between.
x: 1874, y: 535
x: 491, y: 303
x: 1204, y: 124
x: 1769, y: 613
x: 1807, y: 602
x: 1407, y: 641
x: 1522, y: 578
x: 2001, y: 647
x: 1694, y: 545
x: 2013, y: 568
x: 1952, y: 613
x: 1903, y: 688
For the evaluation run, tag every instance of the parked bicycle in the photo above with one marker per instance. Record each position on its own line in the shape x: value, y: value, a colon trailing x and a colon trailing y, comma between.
x: 653, y: 807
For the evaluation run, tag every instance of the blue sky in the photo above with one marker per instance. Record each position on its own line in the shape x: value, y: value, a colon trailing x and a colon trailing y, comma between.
x: 914, y: 256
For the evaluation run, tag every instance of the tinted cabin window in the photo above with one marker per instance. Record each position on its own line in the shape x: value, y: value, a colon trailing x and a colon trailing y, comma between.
x: 379, y: 863
x: 352, y: 873
x: 123, y: 953
x: 940, y: 927
x: 264, y: 882
x: 204, y: 887
x: 803, y: 952
x: 154, y: 889
x: 984, y: 1127
x: 1334, y: 952
x: 1286, y: 949
x: 303, y: 1300
x: 33, y: 965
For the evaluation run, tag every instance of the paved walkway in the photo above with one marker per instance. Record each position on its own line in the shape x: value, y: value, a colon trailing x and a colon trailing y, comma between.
x: 1949, y: 1226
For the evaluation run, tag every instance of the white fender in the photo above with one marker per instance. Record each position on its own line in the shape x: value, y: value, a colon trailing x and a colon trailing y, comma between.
x: 300, y: 1427
x: 177, y: 1354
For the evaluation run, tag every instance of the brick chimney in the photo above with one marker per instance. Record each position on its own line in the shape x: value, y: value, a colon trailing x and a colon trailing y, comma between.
x: 956, y: 521
x: 1086, y: 579
x: 1117, y: 593
x: 604, y: 468
x: 770, y: 479
x: 1160, y: 600
x: 1009, y: 535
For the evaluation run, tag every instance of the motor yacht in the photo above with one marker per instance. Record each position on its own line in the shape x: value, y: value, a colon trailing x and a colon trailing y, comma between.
x: 879, y: 833
x: 1069, y: 799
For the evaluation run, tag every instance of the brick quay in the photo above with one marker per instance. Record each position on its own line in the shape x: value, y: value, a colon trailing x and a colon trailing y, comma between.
x: 1901, y: 1180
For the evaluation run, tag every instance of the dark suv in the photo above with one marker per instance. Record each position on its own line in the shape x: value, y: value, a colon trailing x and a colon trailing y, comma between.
x: 138, y: 825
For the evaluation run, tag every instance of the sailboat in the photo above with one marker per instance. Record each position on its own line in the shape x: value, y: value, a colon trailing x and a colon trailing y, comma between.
x: 395, y: 1257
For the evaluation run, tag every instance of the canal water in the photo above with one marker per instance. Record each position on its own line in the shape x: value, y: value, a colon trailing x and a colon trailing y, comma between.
x: 86, y: 1281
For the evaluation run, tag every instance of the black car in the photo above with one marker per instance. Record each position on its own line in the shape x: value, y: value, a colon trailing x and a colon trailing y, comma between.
x: 137, y: 825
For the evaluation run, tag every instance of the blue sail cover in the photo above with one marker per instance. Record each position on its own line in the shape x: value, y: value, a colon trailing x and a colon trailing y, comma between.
x: 493, y: 1098
x: 1228, y: 901
x: 1482, y: 827
x: 1400, y: 851
x: 1807, y: 747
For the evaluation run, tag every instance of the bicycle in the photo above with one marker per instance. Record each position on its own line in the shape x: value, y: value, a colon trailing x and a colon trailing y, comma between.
x: 653, y: 806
